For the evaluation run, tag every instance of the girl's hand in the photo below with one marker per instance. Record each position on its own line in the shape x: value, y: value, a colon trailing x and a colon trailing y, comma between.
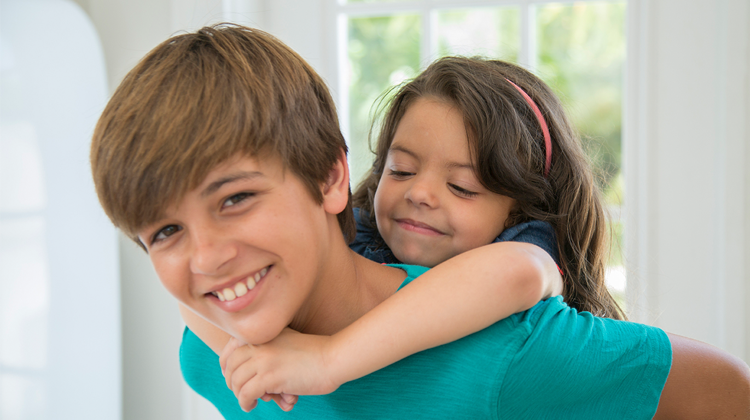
x: 289, y: 365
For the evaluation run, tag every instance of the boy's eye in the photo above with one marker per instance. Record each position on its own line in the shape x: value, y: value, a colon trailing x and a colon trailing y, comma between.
x: 165, y: 232
x: 237, y: 198
x: 463, y: 192
x: 400, y: 174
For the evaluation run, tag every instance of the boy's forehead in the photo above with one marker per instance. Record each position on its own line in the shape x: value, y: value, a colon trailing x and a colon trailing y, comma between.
x: 239, y: 169
x: 259, y: 167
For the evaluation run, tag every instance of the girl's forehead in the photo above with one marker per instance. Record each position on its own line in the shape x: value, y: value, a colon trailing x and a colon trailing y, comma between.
x: 432, y: 127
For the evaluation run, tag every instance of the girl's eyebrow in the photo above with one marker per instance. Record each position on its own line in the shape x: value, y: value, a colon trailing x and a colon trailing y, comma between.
x: 448, y: 165
x: 402, y: 149
x: 239, y: 176
x: 451, y: 165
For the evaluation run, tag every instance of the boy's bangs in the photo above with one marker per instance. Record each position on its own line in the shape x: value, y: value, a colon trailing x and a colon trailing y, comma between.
x: 191, y: 114
x: 198, y: 100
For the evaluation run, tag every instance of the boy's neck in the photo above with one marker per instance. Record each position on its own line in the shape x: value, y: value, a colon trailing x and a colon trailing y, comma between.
x: 349, y: 286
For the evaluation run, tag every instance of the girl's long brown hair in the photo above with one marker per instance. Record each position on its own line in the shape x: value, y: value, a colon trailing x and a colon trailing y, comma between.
x: 507, y: 149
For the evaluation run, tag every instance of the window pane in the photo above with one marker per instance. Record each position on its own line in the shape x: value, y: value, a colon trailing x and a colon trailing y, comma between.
x: 490, y: 32
x: 582, y: 55
x: 383, y: 51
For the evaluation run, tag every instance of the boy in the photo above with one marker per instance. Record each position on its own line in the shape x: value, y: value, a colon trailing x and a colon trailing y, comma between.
x: 220, y: 154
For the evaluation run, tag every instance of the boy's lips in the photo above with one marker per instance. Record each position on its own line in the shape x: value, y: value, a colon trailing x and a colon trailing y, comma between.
x: 238, y: 293
x: 418, y: 227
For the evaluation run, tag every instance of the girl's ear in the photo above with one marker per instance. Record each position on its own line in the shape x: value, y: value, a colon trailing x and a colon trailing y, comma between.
x: 336, y: 188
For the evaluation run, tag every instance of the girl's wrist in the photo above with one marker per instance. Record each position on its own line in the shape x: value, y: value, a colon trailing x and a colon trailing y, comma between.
x: 334, y: 361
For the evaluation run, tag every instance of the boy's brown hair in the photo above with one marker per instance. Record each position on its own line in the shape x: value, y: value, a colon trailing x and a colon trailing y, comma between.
x: 201, y: 99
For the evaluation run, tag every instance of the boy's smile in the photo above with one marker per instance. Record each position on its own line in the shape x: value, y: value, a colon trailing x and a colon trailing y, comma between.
x: 243, y: 249
x: 429, y: 204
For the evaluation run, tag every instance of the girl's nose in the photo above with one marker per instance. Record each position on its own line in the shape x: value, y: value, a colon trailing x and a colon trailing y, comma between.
x: 211, y: 253
x: 422, y: 193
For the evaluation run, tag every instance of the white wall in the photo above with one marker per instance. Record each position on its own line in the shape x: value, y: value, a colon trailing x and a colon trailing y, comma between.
x: 687, y: 154
x: 60, y: 347
x: 687, y: 159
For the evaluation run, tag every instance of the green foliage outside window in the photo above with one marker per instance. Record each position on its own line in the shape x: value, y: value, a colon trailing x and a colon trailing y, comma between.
x: 489, y: 32
x: 383, y: 51
x: 581, y: 55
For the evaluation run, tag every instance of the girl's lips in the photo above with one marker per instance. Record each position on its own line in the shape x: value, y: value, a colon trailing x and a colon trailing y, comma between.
x: 417, y: 227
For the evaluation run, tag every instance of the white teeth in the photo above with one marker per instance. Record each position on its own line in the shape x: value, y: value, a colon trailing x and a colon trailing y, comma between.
x: 240, y: 289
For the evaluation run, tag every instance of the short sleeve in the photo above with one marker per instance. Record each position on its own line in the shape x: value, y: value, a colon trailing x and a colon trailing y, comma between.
x: 575, y: 365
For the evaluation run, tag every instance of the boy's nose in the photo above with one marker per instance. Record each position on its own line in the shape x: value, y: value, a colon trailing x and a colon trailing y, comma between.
x: 422, y: 193
x: 210, y: 254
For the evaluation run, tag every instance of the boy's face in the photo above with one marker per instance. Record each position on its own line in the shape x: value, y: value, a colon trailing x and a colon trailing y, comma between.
x: 243, y: 248
x: 429, y: 205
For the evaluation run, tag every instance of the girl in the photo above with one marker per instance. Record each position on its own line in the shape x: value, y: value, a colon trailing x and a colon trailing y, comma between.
x: 468, y: 149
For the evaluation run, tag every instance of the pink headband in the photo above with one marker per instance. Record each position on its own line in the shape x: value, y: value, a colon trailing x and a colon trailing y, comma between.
x: 545, y: 130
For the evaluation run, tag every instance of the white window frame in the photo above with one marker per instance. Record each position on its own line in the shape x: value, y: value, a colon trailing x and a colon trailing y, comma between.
x: 339, y: 12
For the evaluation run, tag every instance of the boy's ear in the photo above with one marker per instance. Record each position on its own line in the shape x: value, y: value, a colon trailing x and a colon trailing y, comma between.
x: 336, y: 188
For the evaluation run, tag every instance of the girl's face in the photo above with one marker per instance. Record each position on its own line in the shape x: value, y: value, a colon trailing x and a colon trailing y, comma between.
x: 243, y: 249
x: 429, y: 205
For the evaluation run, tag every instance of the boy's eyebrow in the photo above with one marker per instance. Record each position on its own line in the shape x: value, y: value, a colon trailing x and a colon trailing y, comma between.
x: 240, y: 176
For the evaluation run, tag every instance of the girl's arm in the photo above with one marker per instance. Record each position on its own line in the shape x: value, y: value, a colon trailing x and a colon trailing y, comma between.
x: 461, y: 296
x: 458, y: 297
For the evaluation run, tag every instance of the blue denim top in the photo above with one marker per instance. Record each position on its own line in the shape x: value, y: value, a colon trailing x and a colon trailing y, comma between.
x: 369, y: 244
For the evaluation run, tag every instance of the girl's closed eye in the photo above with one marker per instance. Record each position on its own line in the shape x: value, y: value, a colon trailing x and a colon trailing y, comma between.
x: 399, y: 174
x: 462, y: 192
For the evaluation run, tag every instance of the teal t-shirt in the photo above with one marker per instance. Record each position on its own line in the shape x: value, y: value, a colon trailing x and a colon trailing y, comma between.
x: 550, y: 362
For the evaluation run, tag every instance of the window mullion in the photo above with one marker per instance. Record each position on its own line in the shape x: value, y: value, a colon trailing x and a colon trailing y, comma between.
x: 527, y: 55
x: 343, y: 79
x: 429, y: 36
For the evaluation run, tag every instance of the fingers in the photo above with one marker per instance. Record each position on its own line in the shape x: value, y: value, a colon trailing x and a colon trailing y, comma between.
x: 237, y: 370
x: 282, y: 401
x: 247, y: 407
x: 285, y: 402
x: 232, y: 345
x: 250, y: 392
x: 290, y: 399
x: 241, y: 378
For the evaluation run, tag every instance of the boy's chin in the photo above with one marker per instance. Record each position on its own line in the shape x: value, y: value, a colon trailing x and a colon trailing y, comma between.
x: 256, y: 336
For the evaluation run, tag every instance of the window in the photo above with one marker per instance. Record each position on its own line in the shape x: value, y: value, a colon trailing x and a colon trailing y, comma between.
x: 577, y: 48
